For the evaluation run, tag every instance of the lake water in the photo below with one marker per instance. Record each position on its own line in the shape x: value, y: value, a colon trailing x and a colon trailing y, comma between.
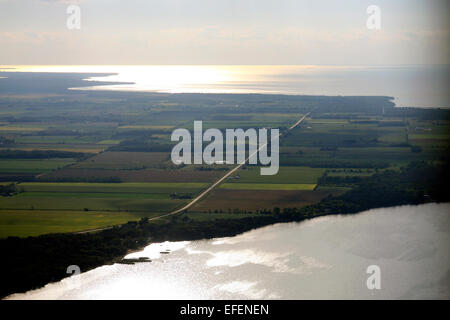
x: 418, y: 86
x: 323, y: 258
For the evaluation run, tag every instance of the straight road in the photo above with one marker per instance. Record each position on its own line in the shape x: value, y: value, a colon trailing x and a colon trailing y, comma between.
x: 214, y: 185
x: 229, y: 173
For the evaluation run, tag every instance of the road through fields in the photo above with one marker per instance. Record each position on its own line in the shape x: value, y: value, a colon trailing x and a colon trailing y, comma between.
x: 214, y: 185
x: 229, y: 173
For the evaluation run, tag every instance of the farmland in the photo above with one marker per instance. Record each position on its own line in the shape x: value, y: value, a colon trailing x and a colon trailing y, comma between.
x: 34, y: 166
x: 119, y: 188
x: 144, y: 175
x: 37, y: 222
x: 106, y: 192
x: 82, y: 160
x: 245, y: 201
x: 285, y: 175
x: 268, y: 186
x: 70, y: 207
x: 124, y: 160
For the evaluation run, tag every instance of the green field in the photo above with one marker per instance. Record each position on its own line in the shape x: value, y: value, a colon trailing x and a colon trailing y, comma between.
x: 137, y: 197
x: 350, y: 172
x: 124, y: 160
x: 34, y: 166
x: 149, y: 205
x: 333, y: 189
x: 109, y: 141
x: 93, y: 195
x: 203, y: 216
x: 73, y: 147
x: 13, y: 128
x: 32, y: 223
x: 68, y: 207
x: 55, y: 140
x: 267, y: 186
x: 122, y: 168
x: 289, y: 175
x: 119, y: 188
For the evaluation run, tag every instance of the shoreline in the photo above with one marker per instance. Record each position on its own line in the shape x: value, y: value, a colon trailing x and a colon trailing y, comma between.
x: 110, y: 79
x: 147, y: 260
x: 34, y: 262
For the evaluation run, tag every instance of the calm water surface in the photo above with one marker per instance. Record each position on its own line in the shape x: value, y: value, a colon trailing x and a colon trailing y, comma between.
x: 324, y: 258
x: 418, y: 86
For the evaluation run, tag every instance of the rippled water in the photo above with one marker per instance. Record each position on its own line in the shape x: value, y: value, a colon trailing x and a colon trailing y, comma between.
x: 323, y: 258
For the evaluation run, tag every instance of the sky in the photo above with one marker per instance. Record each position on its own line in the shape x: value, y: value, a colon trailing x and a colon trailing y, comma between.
x: 237, y: 32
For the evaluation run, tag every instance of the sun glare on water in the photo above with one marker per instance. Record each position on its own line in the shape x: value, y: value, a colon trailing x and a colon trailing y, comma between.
x: 149, y: 78
x: 174, y: 78
x: 402, y: 83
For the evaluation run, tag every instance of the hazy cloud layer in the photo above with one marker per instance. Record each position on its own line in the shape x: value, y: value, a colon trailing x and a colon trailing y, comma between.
x: 223, y: 32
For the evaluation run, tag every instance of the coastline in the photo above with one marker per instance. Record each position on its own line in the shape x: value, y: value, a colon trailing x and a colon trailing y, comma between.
x: 45, y: 258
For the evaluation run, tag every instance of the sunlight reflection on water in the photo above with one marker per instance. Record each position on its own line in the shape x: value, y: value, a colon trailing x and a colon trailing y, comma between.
x: 324, y: 258
x: 420, y: 86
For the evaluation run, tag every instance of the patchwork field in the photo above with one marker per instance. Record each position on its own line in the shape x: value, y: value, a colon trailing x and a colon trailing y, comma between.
x: 118, y: 167
x: 22, y: 223
x: 96, y: 202
x: 34, y: 166
x: 70, y: 207
x: 79, y: 147
x: 238, y: 200
x: 124, y: 160
x: 267, y: 186
x: 203, y: 216
x: 146, y: 175
x: 119, y: 188
x: 350, y: 172
x: 285, y: 175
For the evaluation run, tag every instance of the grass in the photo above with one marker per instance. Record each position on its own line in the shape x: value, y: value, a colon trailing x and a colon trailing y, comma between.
x: 49, y: 139
x: 81, y: 147
x: 68, y: 207
x: 124, y: 160
x: 267, y: 186
x: 226, y: 124
x: 327, y: 121
x: 353, y: 157
x: 230, y: 200
x: 138, y: 197
x: 430, y: 136
x: 33, y: 166
x: 34, y: 213
x: 289, y: 175
x: 92, y: 125
x: 22, y: 223
x: 151, y: 175
x: 145, y: 127
x: 335, y: 190
x: 203, y: 216
x: 350, y: 173
x: 99, y: 203
x: 93, y: 195
x: 109, y: 141
x: 125, y: 187
x: 399, y: 137
x: 21, y: 128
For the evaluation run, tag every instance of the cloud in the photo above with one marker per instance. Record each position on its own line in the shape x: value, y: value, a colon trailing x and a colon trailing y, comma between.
x: 159, y: 32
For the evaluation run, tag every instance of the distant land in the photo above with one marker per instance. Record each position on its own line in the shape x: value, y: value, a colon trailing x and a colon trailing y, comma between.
x: 74, y: 161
